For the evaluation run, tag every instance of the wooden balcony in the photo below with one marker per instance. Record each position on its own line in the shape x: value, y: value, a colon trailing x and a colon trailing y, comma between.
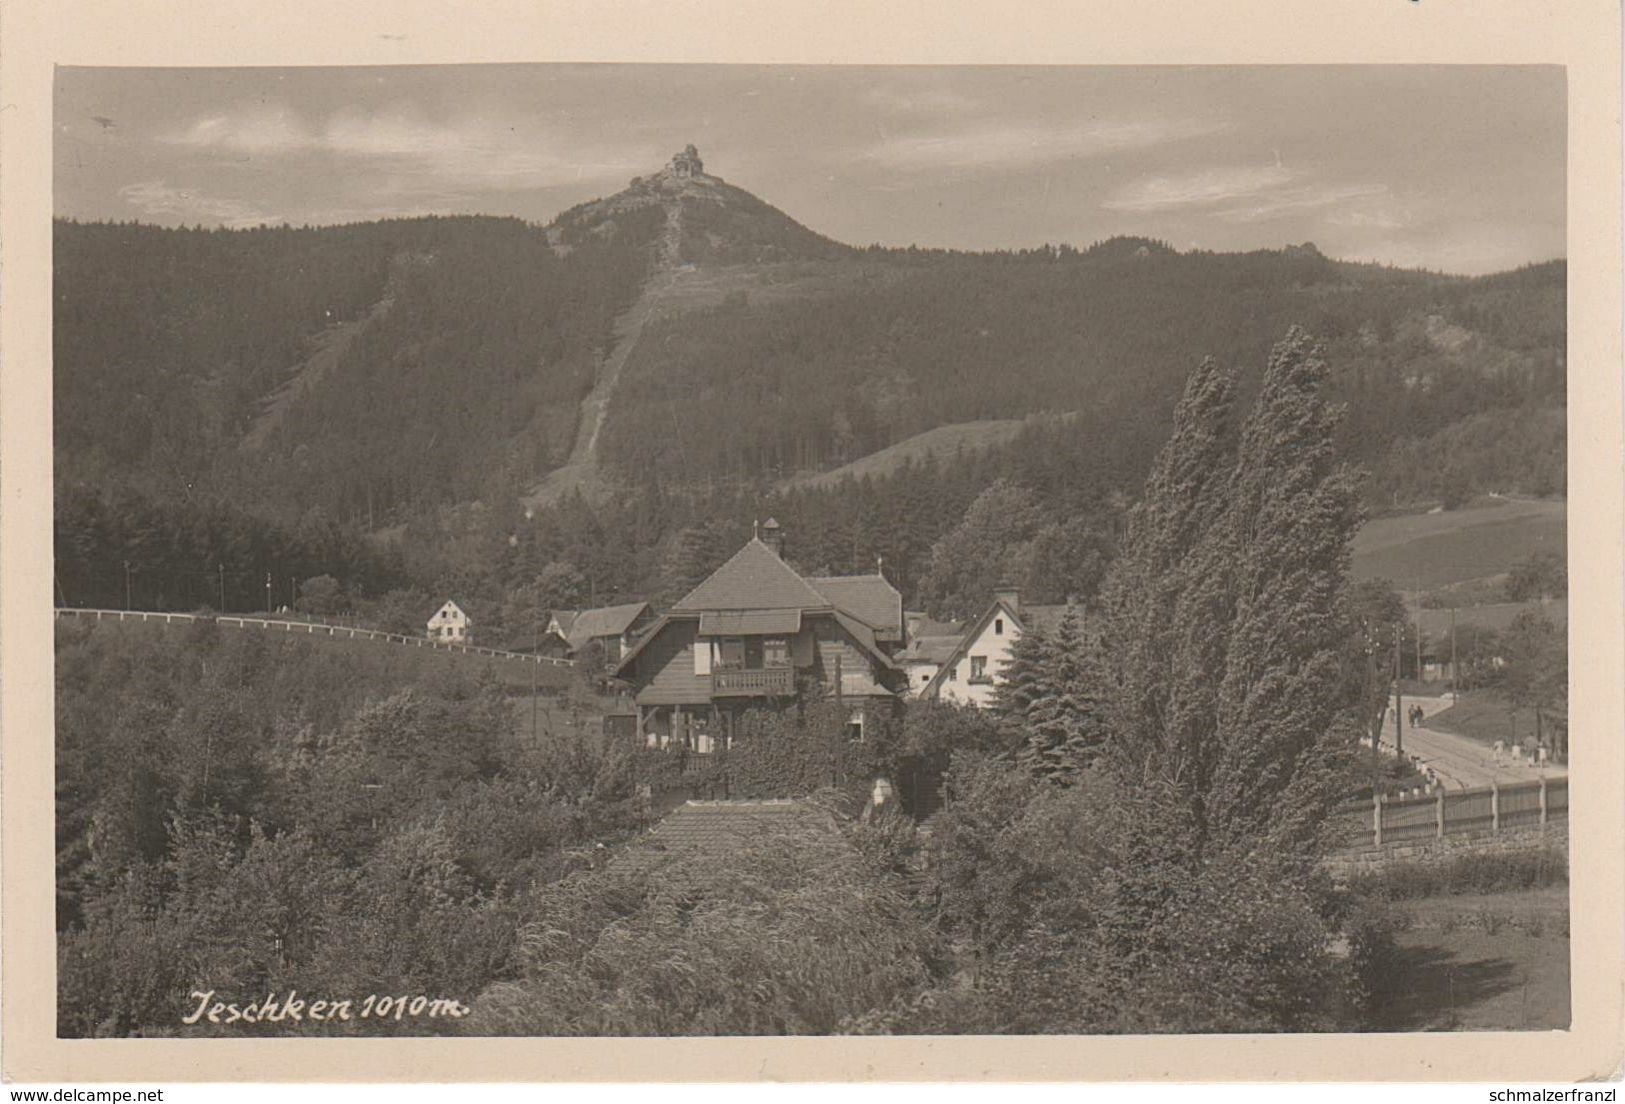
x: 768, y: 682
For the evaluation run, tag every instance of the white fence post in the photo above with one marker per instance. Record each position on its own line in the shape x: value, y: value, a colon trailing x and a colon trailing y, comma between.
x: 1495, y: 806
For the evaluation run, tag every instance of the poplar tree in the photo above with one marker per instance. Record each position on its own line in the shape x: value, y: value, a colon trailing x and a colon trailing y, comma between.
x: 1159, y: 651
x: 1284, y: 710
x: 1223, y: 647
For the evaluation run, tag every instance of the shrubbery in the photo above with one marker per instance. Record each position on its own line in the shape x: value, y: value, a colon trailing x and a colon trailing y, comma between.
x: 1468, y: 873
x: 253, y: 816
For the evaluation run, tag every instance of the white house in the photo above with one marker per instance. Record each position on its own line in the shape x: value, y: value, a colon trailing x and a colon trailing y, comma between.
x: 450, y: 624
x: 973, y: 670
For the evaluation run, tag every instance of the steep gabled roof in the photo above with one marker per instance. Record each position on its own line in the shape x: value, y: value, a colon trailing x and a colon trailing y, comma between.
x: 869, y: 598
x: 753, y: 578
x: 1029, y: 618
x: 929, y: 649
x: 589, y: 625
x: 865, y: 636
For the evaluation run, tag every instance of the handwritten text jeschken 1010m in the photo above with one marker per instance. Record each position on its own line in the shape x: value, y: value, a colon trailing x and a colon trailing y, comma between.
x: 295, y: 1008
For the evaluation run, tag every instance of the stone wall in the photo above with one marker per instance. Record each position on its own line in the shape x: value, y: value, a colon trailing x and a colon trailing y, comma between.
x: 1535, y: 837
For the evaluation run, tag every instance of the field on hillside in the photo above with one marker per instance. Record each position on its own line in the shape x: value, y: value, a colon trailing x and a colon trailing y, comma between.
x: 1423, y: 551
x: 390, y: 664
x: 1486, y: 716
x: 942, y: 442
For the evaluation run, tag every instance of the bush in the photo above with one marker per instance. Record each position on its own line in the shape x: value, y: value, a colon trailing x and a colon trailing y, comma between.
x: 790, y: 934
x: 1468, y: 873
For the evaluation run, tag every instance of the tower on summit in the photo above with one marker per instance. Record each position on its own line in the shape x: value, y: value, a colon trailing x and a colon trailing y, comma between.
x: 687, y: 163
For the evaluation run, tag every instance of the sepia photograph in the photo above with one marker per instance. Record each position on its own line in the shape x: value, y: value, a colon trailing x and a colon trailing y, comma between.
x: 700, y: 550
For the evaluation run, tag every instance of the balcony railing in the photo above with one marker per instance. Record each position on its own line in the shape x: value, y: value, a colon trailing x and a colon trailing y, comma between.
x: 764, y: 682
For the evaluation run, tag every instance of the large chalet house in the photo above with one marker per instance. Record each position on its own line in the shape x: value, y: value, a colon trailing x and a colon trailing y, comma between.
x: 758, y: 634
x: 970, y: 672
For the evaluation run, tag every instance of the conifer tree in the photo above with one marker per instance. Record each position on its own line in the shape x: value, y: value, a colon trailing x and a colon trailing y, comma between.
x: 1025, y: 678
x: 1062, y: 717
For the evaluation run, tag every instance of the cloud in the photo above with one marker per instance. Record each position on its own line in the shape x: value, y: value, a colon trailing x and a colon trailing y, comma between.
x: 254, y: 130
x: 1199, y: 189
x: 156, y: 198
x: 1006, y: 146
x: 896, y: 100
x: 1294, y: 200
x: 1241, y: 194
x: 415, y: 154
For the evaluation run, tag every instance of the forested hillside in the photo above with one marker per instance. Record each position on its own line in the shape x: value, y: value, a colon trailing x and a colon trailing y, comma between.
x: 371, y: 402
x: 751, y: 391
x: 470, y: 341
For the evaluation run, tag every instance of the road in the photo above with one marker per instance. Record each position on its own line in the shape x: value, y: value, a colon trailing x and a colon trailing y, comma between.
x: 1459, y: 762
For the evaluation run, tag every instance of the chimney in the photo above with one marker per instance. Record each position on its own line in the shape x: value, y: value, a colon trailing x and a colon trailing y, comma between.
x: 772, y: 535
x: 1009, y: 594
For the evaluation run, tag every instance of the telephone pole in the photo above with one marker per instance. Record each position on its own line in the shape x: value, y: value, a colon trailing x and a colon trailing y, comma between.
x: 1419, y: 646
x: 1455, y: 669
x: 267, y: 592
x: 1399, y: 700
x: 535, y: 662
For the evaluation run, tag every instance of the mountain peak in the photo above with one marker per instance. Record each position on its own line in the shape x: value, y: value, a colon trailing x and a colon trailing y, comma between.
x: 693, y: 217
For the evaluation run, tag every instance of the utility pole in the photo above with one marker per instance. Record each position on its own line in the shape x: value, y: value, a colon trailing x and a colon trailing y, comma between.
x: 222, y: 588
x: 1419, y: 645
x: 1399, y: 701
x: 127, y: 603
x: 267, y: 592
x: 1455, y: 669
x: 1376, y: 731
x: 535, y: 662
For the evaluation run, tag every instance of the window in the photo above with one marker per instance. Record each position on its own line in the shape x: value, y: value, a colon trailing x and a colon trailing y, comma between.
x: 953, y: 673
x: 775, y: 652
x: 998, y: 626
x: 978, y: 669
x: 732, y: 655
x: 925, y: 678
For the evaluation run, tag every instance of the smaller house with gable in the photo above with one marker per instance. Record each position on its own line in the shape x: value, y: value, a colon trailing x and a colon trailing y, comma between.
x: 972, y: 670
x: 450, y: 624
x: 615, y: 628
x: 930, y: 643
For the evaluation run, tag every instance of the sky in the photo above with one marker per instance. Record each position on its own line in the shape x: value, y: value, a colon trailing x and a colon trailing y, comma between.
x: 1453, y: 168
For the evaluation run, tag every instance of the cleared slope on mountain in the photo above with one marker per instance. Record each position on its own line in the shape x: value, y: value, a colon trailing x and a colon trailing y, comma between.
x: 701, y: 220
x: 175, y: 348
x: 768, y: 390
x: 942, y: 443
